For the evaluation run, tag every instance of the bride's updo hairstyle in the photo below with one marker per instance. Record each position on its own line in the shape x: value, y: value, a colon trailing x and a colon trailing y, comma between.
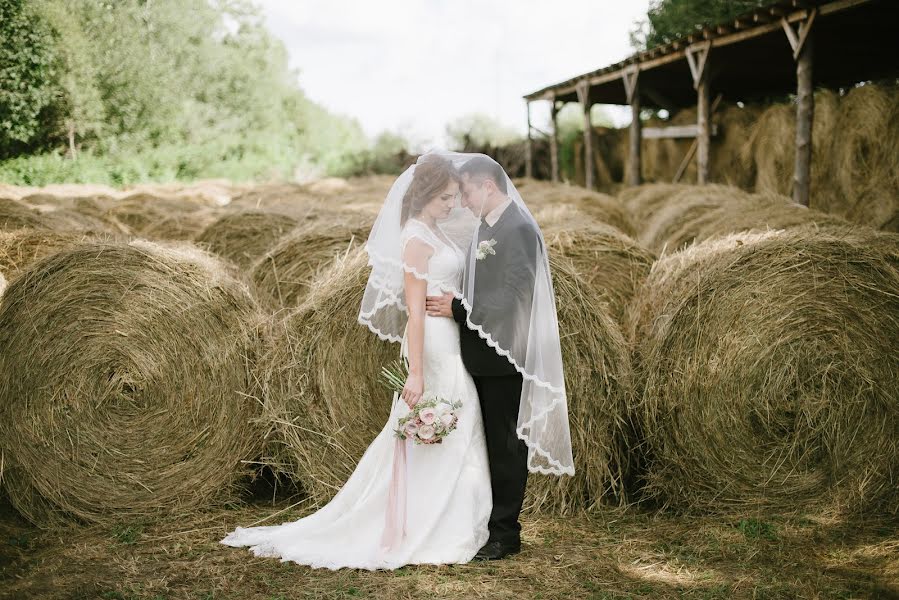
x: 431, y: 177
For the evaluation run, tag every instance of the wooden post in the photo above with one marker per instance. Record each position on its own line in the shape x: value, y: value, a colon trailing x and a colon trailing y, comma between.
x: 698, y: 59
x: 805, y: 105
x: 703, y: 138
x: 554, y: 142
x: 583, y: 95
x: 632, y: 89
x: 529, y: 149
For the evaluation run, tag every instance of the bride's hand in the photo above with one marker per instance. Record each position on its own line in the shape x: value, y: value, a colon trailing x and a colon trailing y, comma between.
x: 413, y: 389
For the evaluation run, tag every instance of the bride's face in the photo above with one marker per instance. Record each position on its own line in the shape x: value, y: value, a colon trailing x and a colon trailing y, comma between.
x: 443, y: 203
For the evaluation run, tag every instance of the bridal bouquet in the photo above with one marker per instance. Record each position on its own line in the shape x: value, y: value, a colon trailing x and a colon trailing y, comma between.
x: 430, y: 420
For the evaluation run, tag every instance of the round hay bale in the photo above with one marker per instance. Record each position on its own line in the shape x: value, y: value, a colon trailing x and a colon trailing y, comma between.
x: 126, y: 382
x: 321, y: 373
x: 64, y: 219
x: 601, y: 207
x: 726, y: 162
x: 244, y: 236
x: 16, y: 215
x: 766, y: 370
x: 680, y: 209
x: 141, y: 210
x: 283, y: 276
x: 771, y: 147
x: 642, y: 201
x: 183, y: 227
x: 863, y: 165
x: 756, y: 212
x: 612, y: 264
x: 22, y: 247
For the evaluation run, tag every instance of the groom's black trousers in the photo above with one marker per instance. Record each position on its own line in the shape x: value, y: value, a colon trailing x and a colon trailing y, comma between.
x: 500, y: 396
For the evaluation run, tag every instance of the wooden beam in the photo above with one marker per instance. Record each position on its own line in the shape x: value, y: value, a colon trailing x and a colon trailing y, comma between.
x: 583, y: 94
x: 745, y: 29
x: 630, y: 81
x: 805, y: 111
x: 681, y: 169
x: 697, y: 56
x: 529, y: 149
x: 675, y: 132
x: 554, y: 143
x: 797, y: 39
x: 632, y: 89
x: 703, y: 135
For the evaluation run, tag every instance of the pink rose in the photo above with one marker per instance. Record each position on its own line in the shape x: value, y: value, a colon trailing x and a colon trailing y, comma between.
x: 427, y: 415
x: 446, y: 419
x: 411, y: 428
x: 426, y: 432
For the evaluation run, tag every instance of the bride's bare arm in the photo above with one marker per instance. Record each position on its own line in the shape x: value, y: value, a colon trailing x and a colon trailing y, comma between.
x: 415, y: 254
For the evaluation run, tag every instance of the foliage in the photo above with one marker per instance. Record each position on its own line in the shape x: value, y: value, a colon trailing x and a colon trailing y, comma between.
x: 173, y: 89
x: 480, y: 130
x: 668, y: 20
x: 25, y: 66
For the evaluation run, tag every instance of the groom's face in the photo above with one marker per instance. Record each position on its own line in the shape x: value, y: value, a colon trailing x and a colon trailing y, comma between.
x: 474, y: 194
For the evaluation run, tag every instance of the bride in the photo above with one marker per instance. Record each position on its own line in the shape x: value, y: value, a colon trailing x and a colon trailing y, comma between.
x: 410, y: 503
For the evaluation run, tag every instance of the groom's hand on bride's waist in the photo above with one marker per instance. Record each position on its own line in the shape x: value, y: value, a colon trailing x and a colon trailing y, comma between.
x: 439, y: 306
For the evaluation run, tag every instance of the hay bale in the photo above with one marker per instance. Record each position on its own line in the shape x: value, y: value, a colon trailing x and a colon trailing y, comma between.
x: 244, y: 236
x: 22, y: 247
x: 862, y: 164
x: 183, y: 227
x: 726, y: 162
x: 642, y: 201
x: 766, y: 370
x: 125, y: 380
x: 680, y: 209
x: 141, y: 210
x: 16, y: 215
x: 283, y: 276
x: 612, y: 264
x: 756, y: 212
x: 321, y: 372
x: 601, y: 207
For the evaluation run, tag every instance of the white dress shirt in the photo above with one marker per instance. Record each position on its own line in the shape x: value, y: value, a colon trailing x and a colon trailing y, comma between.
x: 493, y: 216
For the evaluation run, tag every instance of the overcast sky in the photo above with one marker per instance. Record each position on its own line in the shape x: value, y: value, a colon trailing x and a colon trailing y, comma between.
x: 412, y: 66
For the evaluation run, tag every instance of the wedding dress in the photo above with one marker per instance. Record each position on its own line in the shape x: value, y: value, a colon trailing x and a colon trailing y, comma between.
x: 447, y: 495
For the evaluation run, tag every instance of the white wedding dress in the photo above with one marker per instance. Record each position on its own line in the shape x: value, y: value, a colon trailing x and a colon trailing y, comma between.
x: 448, y: 495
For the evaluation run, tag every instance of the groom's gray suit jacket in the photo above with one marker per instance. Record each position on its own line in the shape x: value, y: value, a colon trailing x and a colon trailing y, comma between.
x: 504, y: 289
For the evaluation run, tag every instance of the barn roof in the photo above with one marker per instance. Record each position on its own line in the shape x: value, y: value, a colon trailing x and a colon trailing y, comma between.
x: 751, y: 58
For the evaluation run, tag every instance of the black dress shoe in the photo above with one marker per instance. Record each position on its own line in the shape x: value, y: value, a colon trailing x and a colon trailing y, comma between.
x: 497, y: 550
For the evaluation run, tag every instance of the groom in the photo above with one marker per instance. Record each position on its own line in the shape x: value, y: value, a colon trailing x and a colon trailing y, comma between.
x: 504, y: 289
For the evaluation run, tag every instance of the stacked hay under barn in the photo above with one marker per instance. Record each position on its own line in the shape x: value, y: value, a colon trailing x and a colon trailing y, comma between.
x: 321, y: 373
x: 767, y: 375
x: 126, y: 383
x: 854, y: 168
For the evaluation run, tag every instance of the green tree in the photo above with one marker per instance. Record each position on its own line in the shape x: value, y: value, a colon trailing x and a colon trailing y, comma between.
x: 25, y: 68
x: 480, y: 130
x: 668, y: 20
x: 77, y: 105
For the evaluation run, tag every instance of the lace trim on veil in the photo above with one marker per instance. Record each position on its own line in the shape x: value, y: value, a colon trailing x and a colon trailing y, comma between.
x: 376, y: 259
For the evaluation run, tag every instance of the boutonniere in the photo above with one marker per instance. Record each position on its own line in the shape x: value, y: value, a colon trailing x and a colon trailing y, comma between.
x: 485, y: 248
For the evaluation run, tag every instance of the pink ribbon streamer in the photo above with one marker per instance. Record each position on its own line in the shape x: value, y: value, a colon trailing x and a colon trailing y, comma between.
x: 395, y: 518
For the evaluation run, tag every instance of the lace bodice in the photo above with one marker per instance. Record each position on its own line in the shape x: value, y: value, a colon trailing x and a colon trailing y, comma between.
x: 445, y: 265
